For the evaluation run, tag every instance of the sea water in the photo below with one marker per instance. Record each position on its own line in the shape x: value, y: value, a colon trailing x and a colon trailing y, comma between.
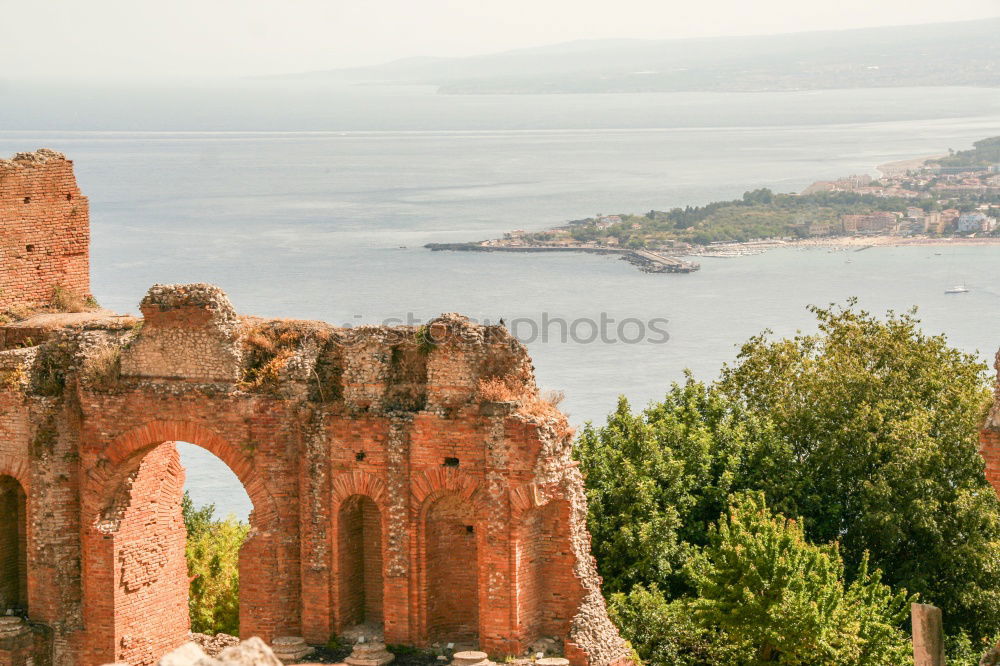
x: 327, y: 221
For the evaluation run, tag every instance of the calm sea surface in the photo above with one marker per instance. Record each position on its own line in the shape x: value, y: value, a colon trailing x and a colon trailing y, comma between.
x: 328, y: 222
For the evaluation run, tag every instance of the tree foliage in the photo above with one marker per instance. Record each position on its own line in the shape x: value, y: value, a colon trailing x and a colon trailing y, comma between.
x: 866, y: 429
x: 881, y: 423
x: 764, y: 585
x: 212, y: 552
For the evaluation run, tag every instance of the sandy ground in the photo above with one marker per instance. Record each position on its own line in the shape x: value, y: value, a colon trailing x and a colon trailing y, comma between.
x: 889, y: 241
x: 902, y: 166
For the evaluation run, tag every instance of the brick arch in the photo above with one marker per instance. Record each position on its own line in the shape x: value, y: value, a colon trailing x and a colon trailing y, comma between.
x: 344, y: 487
x: 428, y: 488
x: 547, y: 588
x: 107, y: 558
x: 359, y: 586
x: 430, y: 485
x: 131, y: 446
x: 346, y: 484
x: 15, y: 536
x: 18, y: 469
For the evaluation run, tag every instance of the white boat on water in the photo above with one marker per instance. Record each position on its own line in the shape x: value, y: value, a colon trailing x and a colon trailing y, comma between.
x: 957, y: 289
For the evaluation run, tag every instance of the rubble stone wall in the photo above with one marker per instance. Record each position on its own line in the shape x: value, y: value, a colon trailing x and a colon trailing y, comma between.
x: 44, y: 230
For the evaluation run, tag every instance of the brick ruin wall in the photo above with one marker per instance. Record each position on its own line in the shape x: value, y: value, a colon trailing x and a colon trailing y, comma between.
x: 386, y: 488
x: 44, y: 230
x: 989, y: 437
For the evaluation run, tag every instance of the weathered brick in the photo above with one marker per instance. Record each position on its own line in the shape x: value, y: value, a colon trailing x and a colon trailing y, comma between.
x: 44, y: 230
x: 385, y: 488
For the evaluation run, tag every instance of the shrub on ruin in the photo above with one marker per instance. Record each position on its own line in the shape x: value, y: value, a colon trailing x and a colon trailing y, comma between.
x: 269, y: 346
x: 102, y: 369
x: 65, y: 300
x: 496, y: 389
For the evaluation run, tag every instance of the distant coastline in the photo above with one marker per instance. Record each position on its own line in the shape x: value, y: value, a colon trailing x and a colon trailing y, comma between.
x: 942, y: 200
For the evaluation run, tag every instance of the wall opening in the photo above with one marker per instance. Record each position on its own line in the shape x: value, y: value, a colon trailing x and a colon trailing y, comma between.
x: 359, y: 553
x: 13, y: 547
x: 452, y: 571
x: 164, y: 582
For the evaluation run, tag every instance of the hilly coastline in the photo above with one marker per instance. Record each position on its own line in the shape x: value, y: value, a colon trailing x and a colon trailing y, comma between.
x: 945, y: 54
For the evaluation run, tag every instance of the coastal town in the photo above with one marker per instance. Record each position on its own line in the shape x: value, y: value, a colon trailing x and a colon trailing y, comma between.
x: 953, y: 198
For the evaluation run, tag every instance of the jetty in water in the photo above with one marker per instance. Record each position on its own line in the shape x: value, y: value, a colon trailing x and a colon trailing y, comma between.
x: 646, y: 260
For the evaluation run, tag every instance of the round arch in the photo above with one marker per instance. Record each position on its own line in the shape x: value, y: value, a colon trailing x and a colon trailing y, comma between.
x: 16, y: 468
x: 357, y: 549
x: 444, y: 502
x: 126, y: 566
x: 126, y: 450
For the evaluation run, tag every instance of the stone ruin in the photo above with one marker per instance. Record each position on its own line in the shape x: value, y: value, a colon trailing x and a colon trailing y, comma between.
x: 410, y: 480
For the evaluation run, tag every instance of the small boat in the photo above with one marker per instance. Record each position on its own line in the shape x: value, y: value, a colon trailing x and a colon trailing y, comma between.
x: 957, y: 289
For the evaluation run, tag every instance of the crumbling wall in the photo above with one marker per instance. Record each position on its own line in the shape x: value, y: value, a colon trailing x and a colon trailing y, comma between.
x: 144, y: 534
x: 44, y: 230
x: 989, y: 437
x: 367, y: 453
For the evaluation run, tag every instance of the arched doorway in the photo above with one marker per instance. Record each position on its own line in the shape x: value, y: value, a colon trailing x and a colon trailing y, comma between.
x: 136, y: 575
x: 13, y: 547
x: 359, y: 557
x: 452, y: 571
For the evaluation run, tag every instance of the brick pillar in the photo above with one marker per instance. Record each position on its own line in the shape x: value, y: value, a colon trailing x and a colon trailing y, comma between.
x: 315, y: 525
x: 399, y: 623
x: 136, y: 576
x: 989, y: 447
x: 496, y: 574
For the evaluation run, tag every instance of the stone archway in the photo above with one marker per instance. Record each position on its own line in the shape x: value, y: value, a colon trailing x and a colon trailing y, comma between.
x: 135, y: 572
x: 13, y: 546
x: 359, y: 559
x: 451, y: 570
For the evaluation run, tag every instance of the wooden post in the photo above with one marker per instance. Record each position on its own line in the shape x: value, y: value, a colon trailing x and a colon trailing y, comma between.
x: 928, y: 635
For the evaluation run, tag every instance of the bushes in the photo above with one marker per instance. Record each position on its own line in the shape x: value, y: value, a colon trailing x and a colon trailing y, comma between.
x: 213, y: 548
x: 866, y: 429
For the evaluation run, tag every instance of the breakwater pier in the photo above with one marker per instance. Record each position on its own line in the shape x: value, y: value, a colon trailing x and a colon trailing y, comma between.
x: 646, y: 260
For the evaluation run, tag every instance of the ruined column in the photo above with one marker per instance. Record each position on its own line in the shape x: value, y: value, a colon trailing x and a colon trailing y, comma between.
x: 928, y: 635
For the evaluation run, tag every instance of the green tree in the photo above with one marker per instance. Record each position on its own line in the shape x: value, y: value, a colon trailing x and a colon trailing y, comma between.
x: 866, y: 428
x: 763, y: 584
x: 664, y: 631
x: 881, y: 421
x: 212, y: 553
x: 656, y: 480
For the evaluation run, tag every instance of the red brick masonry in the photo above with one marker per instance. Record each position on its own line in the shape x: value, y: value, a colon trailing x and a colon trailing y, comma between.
x: 385, y: 490
x: 989, y: 439
x: 44, y: 230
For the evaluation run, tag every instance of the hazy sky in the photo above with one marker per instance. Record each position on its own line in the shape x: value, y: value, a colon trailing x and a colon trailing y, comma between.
x: 197, y: 38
